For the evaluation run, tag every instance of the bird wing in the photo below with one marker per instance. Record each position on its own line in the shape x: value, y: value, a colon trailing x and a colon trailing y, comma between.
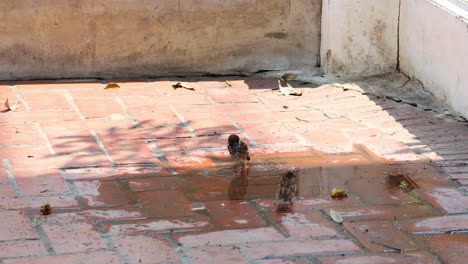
x: 243, y: 150
x: 231, y: 150
x: 278, y: 192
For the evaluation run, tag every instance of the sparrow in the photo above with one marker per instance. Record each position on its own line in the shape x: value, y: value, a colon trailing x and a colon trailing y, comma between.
x: 238, y: 149
x: 286, y: 189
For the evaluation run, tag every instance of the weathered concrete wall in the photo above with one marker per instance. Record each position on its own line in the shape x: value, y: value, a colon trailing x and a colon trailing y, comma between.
x: 434, y: 49
x: 359, y: 36
x: 89, y: 38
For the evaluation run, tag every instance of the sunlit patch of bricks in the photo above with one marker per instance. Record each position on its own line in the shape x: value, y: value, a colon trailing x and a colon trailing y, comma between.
x: 141, y: 174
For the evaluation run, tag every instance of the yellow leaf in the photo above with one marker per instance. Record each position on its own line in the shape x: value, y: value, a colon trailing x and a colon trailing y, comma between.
x: 228, y: 83
x: 338, y: 193
x: 183, y: 85
x: 112, y: 85
x: 11, y: 107
x: 336, y: 216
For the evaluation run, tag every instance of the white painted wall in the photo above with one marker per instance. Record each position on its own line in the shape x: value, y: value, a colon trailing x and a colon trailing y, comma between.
x: 434, y: 49
x: 359, y: 37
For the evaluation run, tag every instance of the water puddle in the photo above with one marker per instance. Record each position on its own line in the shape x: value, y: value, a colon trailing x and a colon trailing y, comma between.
x: 191, y: 194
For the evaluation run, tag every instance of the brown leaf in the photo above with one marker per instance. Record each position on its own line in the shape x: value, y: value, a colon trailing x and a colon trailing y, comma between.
x: 336, y: 216
x: 287, y: 89
x: 46, y: 209
x: 112, y: 85
x: 11, y: 107
x: 289, y: 76
x: 183, y: 85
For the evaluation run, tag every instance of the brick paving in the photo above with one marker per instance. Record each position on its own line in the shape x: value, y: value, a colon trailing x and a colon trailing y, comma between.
x: 141, y: 174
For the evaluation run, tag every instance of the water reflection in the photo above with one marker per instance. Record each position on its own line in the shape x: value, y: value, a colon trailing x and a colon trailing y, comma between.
x: 238, y: 186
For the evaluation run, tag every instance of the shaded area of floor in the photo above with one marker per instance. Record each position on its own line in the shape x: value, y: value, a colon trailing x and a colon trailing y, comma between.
x: 141, y: 174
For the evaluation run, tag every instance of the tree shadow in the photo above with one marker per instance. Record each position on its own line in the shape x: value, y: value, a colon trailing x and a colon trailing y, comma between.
x: 395, y: 95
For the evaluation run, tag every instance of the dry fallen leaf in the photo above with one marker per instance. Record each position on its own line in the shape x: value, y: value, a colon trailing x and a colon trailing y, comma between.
x: 336, y: 216
x: 112, y: 85
x: 405, y: 186
x: 289, y: 76
x: 287, y: 89
x: 46, y: 209
x: 300, y: 119
x: 338, y: 193
x: 228, y: 84
x: 183, y: 85
x: 11, y: 107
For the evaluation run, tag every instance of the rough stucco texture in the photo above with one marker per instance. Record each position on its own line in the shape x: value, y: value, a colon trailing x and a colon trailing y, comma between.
x: 359, y: 36
x: 434, y: 50
x: 88, y: 38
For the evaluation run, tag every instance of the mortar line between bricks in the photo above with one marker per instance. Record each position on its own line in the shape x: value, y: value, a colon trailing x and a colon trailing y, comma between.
x: 43, y: 134
x: 185, y: 259
x: 364, y: 153
x: 102, y: 147
x: 224, y: 148
x: 109, y: 243
x: 313, y: 260
x: 160, y: 155
x: 73, y: 104
x: 302, y: 141
x: 11, y: 178
x: 127, y: 111
x: 242, y: 131
x: 21, y: 98
x: 259, y: 98
x: 246, y: 255
x: 341, y: 229
x: 154, y: 86
x: 42, y: 235
x: 146, y: 164
x: 72, y: 188
x: 210, y: 99
x: 455, y: 184
x: 184, y: 122
x: 421, y: 246
x: 268, y: 220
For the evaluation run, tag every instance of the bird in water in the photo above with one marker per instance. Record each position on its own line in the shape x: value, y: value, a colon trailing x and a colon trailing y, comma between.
x: 286, y: 189
x: 238, y: 149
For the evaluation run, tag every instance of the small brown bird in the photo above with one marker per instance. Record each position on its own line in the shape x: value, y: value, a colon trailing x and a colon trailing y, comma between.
x: 286, y: 189
x: 238, y: 149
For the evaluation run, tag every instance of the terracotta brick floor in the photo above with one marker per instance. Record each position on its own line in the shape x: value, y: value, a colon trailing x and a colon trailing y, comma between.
x: 141, y: 174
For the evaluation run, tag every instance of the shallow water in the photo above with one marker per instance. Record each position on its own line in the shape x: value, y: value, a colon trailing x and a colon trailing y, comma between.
x: 186, y: 194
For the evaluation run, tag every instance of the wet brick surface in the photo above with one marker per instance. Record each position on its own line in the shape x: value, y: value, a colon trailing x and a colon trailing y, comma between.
x: 141, y: 174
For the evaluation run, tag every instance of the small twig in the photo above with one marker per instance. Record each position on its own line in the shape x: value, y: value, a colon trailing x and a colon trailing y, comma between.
x: 303, y: 120
x: 383, y: 245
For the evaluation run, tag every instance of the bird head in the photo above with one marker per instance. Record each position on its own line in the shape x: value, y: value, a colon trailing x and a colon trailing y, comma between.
x: 233, y: 139
x: 292, y: 173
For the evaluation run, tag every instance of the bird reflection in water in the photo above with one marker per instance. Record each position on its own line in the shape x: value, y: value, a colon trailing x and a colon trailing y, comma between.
x: 238, y: 186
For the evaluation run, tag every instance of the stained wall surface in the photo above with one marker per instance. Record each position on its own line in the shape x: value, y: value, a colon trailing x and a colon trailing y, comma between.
x: 359, y: 37
x: 106, y: 38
